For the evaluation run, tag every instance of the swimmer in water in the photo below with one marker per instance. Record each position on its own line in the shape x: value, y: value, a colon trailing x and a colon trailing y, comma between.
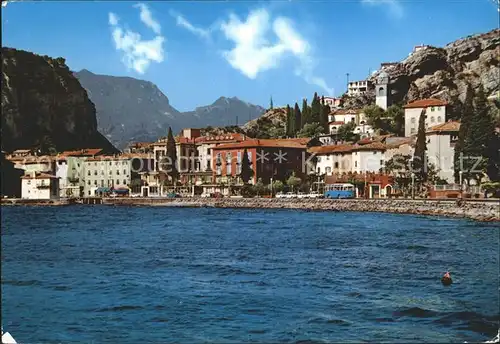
x: 446, y: 279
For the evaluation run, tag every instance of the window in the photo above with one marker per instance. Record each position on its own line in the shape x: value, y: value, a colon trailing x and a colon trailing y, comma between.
x: 117, y: 182
x: 336, y: 165
x: 89, y: 193
x: 88, y: 182
x: 412, y: 131
x: 95, y: 172
x: 432, y: 119
x: 110, y: 172
x: 95, y: 163
x: 381, y: 91
x: 29, y: 182
x: 381, y: 162
x: 124, y: 182
x: 328, y: 157
x: 413, y: 120
x: 95, y: 182
x: 238, y: 162
x: 102, y: 172
x: 250, y: 157
x: 355, y: 164
x: 102, y: 182
x: 439, y: 119
x: 432, y: 108
x: 124, y: 171
x: 319, y: 170
x: 88, y: 173
x: 117, y: 172
x: 328, y: 170
x: 374, y: 152
x: 228, y: 163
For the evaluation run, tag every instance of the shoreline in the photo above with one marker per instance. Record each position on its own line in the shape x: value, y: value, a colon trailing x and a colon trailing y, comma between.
x: 478, y: 210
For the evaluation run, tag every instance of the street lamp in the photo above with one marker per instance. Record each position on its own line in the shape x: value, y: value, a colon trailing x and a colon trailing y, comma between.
x: 412, y: 185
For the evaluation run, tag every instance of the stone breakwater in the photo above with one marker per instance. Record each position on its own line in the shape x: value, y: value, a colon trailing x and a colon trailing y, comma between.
x: 476, y: 210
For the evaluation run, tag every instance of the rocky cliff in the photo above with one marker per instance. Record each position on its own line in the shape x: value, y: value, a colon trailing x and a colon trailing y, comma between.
x: 130, y: 109
x: 443, y: 72
x: 44, y: 106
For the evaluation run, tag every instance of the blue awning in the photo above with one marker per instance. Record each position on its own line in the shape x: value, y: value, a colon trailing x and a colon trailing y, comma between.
x: 103, y: 189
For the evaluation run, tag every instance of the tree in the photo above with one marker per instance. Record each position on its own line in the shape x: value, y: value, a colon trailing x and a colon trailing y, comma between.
x: 293, y: 181
x: 246, y: 168
x: 374, y: 114
x: 464, y: 134
x: 419, y: 164
x: 259, y: 187
x: 271, y: 106
x: 171, y: 155
x: 277, y: 186
x: 277, y: 132
x: 346, y: 131
x: 305, y: 114
x: 290, y: 122
x: 325, y: 111
x: 311, y: 130
x: 315, y: 110
x: 298, y: 118
x: 396, y: 116
x: 399, y: 166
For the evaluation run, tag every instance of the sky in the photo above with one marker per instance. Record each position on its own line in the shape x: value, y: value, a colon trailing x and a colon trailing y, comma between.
x: 198, y: 51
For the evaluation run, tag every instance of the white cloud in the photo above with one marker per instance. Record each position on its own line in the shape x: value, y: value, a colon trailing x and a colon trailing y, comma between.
x: 138, y: 53
x: 394, y: 6
x: 254, y: 53
x: 183, y: 22
x: 147, y: 18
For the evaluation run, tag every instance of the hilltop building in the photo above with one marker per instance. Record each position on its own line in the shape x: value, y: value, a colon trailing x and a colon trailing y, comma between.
x: 435, y: 114
x: 382, y: 92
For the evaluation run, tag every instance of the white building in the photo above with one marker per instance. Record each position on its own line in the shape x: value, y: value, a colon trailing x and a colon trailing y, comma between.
x: 435, y: 114
x: 364, y: 130
x: 61, y: 172
x: 334, y: 126
x: 333, y: 102
x: 441, y: 140
x: 358, y: 87
x: 39, y: 186
x: 368, y: 158
x: 382, y: 91
x: 106, y: 172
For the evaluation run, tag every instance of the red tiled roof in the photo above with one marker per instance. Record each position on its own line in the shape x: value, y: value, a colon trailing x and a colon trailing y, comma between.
x: 374, y: 146
x: 141, y: 144
x: 336, y: 123
x: 83, y: 152
x: 331, y: 149
x: 443, y: 127
x: 284, y: 143
x: 423, y: 103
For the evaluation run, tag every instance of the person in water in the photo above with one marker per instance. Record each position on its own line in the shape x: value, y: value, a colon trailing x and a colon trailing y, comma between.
x: 446, y: 279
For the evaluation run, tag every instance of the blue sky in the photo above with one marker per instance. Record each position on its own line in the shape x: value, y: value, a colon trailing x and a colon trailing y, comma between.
x: 196, y: 52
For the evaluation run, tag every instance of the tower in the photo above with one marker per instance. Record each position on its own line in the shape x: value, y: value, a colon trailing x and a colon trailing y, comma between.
x: 382, y: 90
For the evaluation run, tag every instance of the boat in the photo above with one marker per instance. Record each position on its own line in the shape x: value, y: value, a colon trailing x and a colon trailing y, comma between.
x: 7, y: 338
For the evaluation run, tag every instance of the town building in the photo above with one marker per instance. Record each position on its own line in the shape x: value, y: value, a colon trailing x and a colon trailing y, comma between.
x: 368, y: 185
x: 39, y: 186
x: 382, y: 91
x: 343, y: 116
x: 333, y: 103
x: 75, y: 181
x: 441, y: 141
x: 269, y: 159
x: 140, y: 147
x: 358, y: 87
x: 435, y: 114
x: 332, y: 159
x: 205, y: 144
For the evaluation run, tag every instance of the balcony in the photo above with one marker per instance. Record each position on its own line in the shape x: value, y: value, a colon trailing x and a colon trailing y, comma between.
x: 43, y: 186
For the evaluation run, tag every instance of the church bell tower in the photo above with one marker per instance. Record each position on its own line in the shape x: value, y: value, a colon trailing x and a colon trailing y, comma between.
x: 382, y: 90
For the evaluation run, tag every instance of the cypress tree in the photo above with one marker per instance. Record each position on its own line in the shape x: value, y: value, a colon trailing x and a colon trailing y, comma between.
x: 464, y: 134
x: 419, y: 157
x: 246, y: 170
x: 481, y: 132
x: 305, y: 114
x: 315, y: 110
x: 290, y: 122
x: 172, y: 170
x: 325, y: 111
x: 298, y: 118
x: 271, y: 106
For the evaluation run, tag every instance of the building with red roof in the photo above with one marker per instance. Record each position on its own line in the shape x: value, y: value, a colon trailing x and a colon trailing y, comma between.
x: 435, y: 114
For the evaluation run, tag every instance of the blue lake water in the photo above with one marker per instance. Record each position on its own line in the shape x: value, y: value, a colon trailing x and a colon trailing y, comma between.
x: 155, y: 275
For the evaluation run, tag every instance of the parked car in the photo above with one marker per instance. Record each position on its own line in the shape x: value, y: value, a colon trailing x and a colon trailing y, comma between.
x: 280, y: 195
x: 205, y: 195
x: 301, y: 195
x: 290, y: 195
x: 315, y: 194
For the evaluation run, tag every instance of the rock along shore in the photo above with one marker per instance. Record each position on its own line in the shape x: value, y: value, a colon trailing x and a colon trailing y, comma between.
x: 476, y: 210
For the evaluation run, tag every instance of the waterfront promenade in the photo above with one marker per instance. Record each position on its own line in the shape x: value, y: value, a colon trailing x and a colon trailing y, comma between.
x: 481, y: 210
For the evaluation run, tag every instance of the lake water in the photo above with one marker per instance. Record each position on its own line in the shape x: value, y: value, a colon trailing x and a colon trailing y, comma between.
x: 130, y: 275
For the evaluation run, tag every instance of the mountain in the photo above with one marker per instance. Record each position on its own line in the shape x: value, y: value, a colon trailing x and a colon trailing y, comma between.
x: 44, y: 106
x: 131, y: 110
x: 443, y: 72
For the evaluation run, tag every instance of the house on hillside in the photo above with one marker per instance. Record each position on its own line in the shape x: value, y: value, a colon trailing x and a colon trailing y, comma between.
x: 441, y: 141
x: 435, y: 114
